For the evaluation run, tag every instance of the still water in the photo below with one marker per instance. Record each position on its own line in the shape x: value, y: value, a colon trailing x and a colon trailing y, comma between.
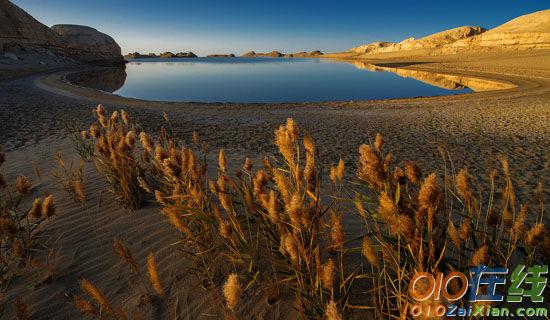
x: 270, y: 80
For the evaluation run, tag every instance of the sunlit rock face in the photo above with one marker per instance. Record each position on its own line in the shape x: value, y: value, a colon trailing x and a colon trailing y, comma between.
x: 530, y: 31
x: 89, y: 45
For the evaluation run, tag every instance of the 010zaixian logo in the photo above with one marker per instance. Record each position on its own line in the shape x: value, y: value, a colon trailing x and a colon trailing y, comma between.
x: 438, y: 295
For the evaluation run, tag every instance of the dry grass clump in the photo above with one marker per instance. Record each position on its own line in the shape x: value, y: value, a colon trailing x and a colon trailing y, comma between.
x: 70, y: 178
x: 18, y: 225
x: 277, y: 230
x: 116, y: 157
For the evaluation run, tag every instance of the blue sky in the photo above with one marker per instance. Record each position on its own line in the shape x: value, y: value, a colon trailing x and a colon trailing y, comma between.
x: 208, y: 26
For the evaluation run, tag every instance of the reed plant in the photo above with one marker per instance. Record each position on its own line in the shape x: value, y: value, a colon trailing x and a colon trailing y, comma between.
x: 116, y: 157
x: 277, y: 230
x: 19, y: 223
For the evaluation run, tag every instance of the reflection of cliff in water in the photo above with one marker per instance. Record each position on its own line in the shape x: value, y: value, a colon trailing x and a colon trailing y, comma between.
x: 105, y: 79
x: 445, y: 81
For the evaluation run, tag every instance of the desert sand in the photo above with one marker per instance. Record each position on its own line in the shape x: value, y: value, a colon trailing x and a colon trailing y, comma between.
x: 474, y: 127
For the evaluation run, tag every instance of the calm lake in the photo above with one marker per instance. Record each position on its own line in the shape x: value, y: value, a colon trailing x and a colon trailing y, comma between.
x: 273, y: 80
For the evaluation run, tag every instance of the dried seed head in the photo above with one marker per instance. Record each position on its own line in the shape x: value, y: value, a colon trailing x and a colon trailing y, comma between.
x: 84, y: 134
x: 337, y: 232
x: 232, y: 291
x: 289, y: 247
x: 153, y: 274
x: 84, y: 306
x: 454, y: 234
x: 125, y: 254
x: 94, y: 131
x: 399, y: 176
x: 48, y: 207
x: 79, y: 194
x: 124, y: 117
x: 332, y: 311
x: 480, y: 256
x: 7, y: 227
x: 292, y: 128
x: 328, y: 271
x: 536, y: 235
x: 130, y: 139
x: 308, y: 144
x: 146, y: 141
x: 285, y: 142
x: 387, y: 209
x: 22, y: 185
x: 518, y: 229
x: 369, y: 252
x: 463, y: 185
x: 428, y: 197
x: 371, y: 168
x: 247, y: 165
x: 100, y: 110
x: 465, y: 230
x: 378, y: 142
x: 36, y: 208
x: 295, y: 210
x: 96, y: 294
x: 114, y: 116
x: 222, y: 161
x: 413, y: 172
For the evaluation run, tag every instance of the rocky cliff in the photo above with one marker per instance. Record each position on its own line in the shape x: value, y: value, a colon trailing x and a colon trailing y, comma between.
x: 436, y: 40
x: 24, y: 38
x: 531, y: 31
x: 87, y: 44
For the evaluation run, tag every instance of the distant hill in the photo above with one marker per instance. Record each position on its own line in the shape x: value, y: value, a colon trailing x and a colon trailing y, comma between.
x: 530, y: 31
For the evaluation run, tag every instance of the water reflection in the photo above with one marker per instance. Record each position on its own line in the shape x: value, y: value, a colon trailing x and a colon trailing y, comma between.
x: 444, y: 81
x: 105, y: 79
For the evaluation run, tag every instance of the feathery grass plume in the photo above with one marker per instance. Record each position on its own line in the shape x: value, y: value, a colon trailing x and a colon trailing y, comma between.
x: 232, y: 291
x: 371, y: 169
x: 96, y: 294
x: 536, y: 235
x: 175, y: 220
x: 285, y: 142
x: 146, y: 141
x: 332, y: 311
x: 518, y: 229
x: 412, y: 171
x: 463, y: 185
x: 309, y: 145
x: 94, y: 131
x: 124, y: 117
x: 247, y: 165
x: 261, y: 178
x: 153, y: 274
x: 465, y: 230
x: 289, y: 247
x: 84, y: 306
x: 36, y: 208
x: 360, y: 208
x: 295, y: 210
x: 378, y: 142
x: 480, y: 256
x: 7, y: 227
x: 79, y: 194
x: 282, y: 186
x: 454, y: 234
x: 130, y: 139
x: 48, y: 207
x: 273, y: 208
x: 125, y: 254
x: 428, y: 197
x: 387, y: 209
x: 20, y: 309
x: 222, y: 162
x: 399, y: 176
x: 505, y: 165
x: 337, y: 232
x: 328, y: 271
x: 292, y: 128
x: 369, y: 252
x: 340, y: 170
x: 22, y: 184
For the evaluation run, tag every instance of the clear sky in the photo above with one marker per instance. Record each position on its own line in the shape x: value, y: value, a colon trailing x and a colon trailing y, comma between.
x: 209, y: 26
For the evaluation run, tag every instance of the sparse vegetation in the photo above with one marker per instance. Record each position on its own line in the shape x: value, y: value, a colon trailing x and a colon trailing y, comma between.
x: 279, y: 228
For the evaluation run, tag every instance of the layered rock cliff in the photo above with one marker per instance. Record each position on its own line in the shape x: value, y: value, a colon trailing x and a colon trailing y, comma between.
x: 24, y: 38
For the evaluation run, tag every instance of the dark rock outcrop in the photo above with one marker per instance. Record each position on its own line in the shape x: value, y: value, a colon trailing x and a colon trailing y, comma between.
x: 23, y: 36
x: 89, y: 45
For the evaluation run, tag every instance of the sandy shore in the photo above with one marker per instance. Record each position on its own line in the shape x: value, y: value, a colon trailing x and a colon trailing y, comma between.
x: 475, y: 128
